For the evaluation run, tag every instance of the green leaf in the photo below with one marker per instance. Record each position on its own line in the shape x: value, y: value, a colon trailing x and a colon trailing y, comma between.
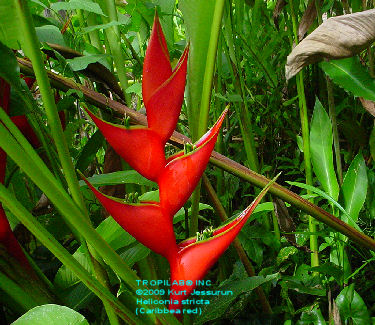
x: 120, y: 177
x: 134, y: 254
x: 10, y: 34
x: 321, y: 141
x: 329, y: 269
x: 102, y: 26
x: 352, y: 306
x: 50, y: 34
x: 314, y: 317
x: 81, y: 62
x: 51, y: 315
x: 135, y: 88
x: 284, y: 253
x: 86, y: 5
x: 352, y: 76
x: 372, y: 143
x: 330, y: 199
x: 218, y: 305
x: 10, y: 72
x: 354, y: 188
x: 88, y: 152
x: 195, y: 12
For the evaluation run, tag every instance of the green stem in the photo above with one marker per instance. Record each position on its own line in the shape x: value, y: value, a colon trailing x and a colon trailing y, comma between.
x: 31, y: 47
x: 82, y: 23
x: 114, y: 40
x: 55, y: 247
x: 94, y: 35
x: 16, y: 293
x: 209, y: 69
x: 306, y: 144
x: 205, y: 102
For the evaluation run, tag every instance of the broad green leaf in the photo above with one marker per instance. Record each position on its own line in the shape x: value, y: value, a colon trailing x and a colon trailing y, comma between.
x: 321, y: 141
x: 314, y: 317
x: 120, y: 177
x: 352, y: 76
x: 86, y: 5
x: 166, y: 19
x: 370, y: 200
x: 329, y: 198
x: 10, y: 72
x: 51, y: 315
x: 284, y: 253
x: 339, y: 257
x: 329, y: 269
x: 88, y: 152
x: 134, y: 254
x: 198, y: 20
x: 65, y: 277
x: 10, y: 34
x: 50, y: 34
x: 218, y: 305
x: 372, y: 143
x: 354, y: 188
x: 102, y: 26
x: 352, y: 306
x: 81, y: 62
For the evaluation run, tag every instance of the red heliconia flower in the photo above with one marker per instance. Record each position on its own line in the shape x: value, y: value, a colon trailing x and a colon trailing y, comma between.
x: 144, y: 221
x: 156, y: 66
x: 195, y: 258
x: 7, y: 238
x: 164, y: 105
x: 139, y: 146
x: 163, y: 93
x: 183, y: 171
x: 162, y: 88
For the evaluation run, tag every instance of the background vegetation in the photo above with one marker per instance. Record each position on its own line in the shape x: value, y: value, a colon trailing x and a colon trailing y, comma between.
x: 293, y: 263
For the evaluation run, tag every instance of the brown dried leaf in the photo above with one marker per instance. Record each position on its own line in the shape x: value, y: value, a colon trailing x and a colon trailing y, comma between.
x: 368, y: 105
x: 280, y: 4
x: 338, y: 37
x: 307, y: 19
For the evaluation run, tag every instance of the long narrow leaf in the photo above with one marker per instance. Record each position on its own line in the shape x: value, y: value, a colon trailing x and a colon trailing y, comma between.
x: 321, y: 142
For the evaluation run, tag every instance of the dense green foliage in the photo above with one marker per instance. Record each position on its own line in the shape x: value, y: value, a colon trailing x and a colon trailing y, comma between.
x: 91, y: 53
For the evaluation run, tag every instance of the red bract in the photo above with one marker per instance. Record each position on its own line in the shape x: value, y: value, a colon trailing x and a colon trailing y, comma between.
x: 182, y: 174
x: 144, y: 221
x: 7, y: 238
x: 156, y: 66
x: 139, y: 146
x: 164, y: 106
x: 195, y: 258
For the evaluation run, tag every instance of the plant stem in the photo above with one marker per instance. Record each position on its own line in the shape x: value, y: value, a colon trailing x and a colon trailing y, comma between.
x: 236, y: 243
x: 209, y: 69
x: 16, y: 293
x: 205, y: 102
x: 114, y: 40
x: 55, y: 247
x: 306, y: 144
x: 94, y: 35
x: 31, y: 47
